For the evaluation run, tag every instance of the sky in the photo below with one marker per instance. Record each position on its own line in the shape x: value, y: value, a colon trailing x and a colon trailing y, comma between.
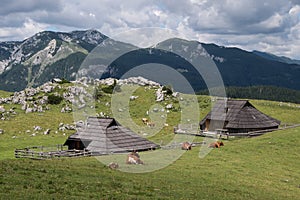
x: 271, y: 26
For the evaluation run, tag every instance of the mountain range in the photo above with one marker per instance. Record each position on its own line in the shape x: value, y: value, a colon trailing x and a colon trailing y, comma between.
x: 48, y: 55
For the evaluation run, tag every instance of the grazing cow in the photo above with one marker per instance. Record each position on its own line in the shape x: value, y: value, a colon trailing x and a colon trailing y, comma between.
x: 134, y: 158
x: 217, y: 144
x: 186, y: 146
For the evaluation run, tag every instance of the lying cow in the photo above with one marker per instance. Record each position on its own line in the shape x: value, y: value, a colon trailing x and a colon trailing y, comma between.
x: 151, y: 124
x: 217, y: 144
x: 145, y: 120
x: 134, y: 158
x: 220, y: 143
x: 113, y: 165
x: 186, y: 146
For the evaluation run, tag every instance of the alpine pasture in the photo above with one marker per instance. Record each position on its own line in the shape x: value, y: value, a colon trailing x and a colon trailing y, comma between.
x: 264, y: 167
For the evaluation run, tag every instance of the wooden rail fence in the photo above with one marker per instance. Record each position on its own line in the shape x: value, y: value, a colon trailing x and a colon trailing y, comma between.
x: 42, y: 152
x: 227, y: 135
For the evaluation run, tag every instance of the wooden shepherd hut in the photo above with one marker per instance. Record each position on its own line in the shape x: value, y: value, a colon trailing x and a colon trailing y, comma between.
x: 237, y: 116
x: 106, y: 135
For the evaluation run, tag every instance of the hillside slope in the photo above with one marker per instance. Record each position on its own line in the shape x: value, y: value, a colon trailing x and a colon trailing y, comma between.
x: 264, y: 167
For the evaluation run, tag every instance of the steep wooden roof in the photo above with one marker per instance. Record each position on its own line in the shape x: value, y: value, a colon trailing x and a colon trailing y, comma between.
x: 240, y: 114
x: 106, y: 135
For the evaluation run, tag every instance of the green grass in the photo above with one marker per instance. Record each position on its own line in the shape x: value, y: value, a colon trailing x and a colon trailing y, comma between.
x: 264, y: 167
x: 21, y: 126
x: 4, y: 94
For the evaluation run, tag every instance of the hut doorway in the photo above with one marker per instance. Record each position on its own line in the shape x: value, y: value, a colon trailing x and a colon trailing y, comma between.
x: 207, y: 123
x: 76, y: 144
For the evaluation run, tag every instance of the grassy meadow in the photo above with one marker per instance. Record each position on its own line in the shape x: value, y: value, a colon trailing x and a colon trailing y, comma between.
x: 264, y: 167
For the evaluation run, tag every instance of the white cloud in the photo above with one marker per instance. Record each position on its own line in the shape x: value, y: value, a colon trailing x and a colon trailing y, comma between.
x: 269, y: 25
x: 28, y: 28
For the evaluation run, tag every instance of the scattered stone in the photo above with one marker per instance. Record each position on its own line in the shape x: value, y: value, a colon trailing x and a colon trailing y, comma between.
x: 79, y: 124
x: 155, y: 109
x: 24, y: 106
x: 37, y: 128
x: 175, y: 94
x: 2, y: 109
x: 47, y: 88
x: 108, y: 81
x: 69, y: 127
x: 56, y: 80
x: 47, y: 132
x: 28, y: 110
x: 12, y: 111
x: 137, y: 81
x: 81, y: 106
x: 133, y: 97
x: 102, y: 114
x: 169, y: 106
x: 1, y: 131
x: 63, y: 127
x: 66, y: 109
x: 39, y: 109
x: 159, y: 95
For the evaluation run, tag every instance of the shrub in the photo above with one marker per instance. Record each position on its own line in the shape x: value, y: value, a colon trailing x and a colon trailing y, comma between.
x: 168, y: 89
x: 109, y: 89
x: 53, y: 99
x: 98, y: 93
x: 63, y: 80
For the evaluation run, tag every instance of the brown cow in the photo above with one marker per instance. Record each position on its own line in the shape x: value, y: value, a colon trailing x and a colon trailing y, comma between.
x: 145, y: 120
x: 151, y: 124
x: 217, y: 144
x: 134, y: 158
x: 220, y: 143
x: 186, y: 146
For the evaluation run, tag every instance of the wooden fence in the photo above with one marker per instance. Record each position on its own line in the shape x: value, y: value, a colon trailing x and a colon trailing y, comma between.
x: 42, y: 152
x: 226, y: 135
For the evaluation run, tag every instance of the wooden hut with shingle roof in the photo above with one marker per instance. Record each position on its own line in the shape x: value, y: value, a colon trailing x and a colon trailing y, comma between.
x: 237, y: 116
x: 105, y: 136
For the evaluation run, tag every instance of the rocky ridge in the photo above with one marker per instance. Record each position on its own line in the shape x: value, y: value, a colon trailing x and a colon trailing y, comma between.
x: 74, y: 95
